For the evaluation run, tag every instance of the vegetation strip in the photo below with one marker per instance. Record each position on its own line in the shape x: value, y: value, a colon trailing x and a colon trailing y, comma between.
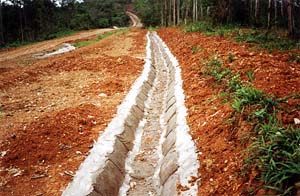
x: 275, y: 148
x: 86, y: 43
x: 257, y: 38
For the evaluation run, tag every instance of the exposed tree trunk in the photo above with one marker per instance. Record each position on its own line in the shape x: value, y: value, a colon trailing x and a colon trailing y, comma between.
x: 282, y: 8
x: 174, y: 12
x: 196, y: 10
x: 178, y: 11
x: 291, y: 22
x: 187, y: 8
x: 201, y: 9
x: 170, y: 12
x: 275, y: 12
x: 21, y: 24
x: 162, y: 22
x: 257, y: 12
x: 166, y: 13
x: 269, y: 13
x: 1, y: 26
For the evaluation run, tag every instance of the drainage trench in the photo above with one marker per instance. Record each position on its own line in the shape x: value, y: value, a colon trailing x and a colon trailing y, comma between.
x: 146, y: 149
x: 145, y: 162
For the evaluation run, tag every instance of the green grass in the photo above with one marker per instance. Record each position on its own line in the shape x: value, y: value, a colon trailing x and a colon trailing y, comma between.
x: 295, y: 58
x: 196, y: 49
x: 271, y: 42
x: 258, y: 37
x: 151, y: 28
x: 1, y: 112
x: 86, y: 43
x: 214, y: 68
x: 208, y: 28
x: 275, y: 149
x: 250, y: 75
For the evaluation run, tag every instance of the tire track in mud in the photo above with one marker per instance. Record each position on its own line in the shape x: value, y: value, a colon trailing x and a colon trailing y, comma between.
x: 146, y: 149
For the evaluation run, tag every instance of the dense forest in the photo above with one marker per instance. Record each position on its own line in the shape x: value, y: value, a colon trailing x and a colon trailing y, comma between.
x: 258, y: 13
x: 32, y: 20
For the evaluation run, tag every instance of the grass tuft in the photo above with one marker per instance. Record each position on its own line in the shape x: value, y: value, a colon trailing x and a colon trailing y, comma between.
x: 86, y: 43
x: 275, y: 150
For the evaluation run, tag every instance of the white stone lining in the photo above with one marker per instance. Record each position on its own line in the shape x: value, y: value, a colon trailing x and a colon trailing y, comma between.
x: 185, y: 147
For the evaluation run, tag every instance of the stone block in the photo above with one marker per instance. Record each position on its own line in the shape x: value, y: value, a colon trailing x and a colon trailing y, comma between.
x: 142, y: 96
x: 170, y: 187
x: 119, y: 155
x: 171, y: 124
x: 170, y: 112
x: 140, y: 103
x: 169, y: 142
x: 168, y: 166
x: 131, y: 121
x: 137, y: 112
x: 171, y: 93
x: 171, y: 102
x: 127, y: 137
x: 109, y: 180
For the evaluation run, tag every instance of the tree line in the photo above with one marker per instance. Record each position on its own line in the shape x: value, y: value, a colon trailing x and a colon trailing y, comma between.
x: 32, y: 20
x: 258, y: 13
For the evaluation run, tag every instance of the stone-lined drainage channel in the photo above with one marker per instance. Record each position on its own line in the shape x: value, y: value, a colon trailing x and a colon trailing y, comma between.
x: 146, y: 149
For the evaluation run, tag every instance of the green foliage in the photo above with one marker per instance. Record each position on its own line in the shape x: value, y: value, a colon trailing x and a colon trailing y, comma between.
x: 276, y: 151
x: 195, y: 49
x: 231, y: 58
x: 152, y: 28
x: 86, y: 43
x: 214, y: 68
x: 295, y: 58
x: 30, y: 21
x: 224, y: 96
x: 250, y: 75
x: 246, y: 96
x: 234, y: 82
x: 1, y: 112
x: 262, y: 41
x: 204, y: 27
x: 149, y: 11
x: 210, y: 29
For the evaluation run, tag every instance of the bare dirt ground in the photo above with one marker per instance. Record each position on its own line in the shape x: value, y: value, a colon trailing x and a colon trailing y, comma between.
x: 25, y: 52
x: 53, y: 109
x: 219, y: 137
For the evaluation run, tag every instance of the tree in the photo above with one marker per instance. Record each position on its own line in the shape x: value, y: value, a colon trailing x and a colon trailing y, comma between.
x: 257, y: 11
x: 291, y: 22
x: 1, y: 26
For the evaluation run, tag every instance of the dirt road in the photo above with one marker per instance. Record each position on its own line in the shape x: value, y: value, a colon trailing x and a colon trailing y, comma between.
x: 27, y: 51
x: 136, y: 21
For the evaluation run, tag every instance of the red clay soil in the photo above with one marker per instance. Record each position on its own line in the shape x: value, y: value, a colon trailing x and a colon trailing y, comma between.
x: 52, y: 110
x: 220, y: 137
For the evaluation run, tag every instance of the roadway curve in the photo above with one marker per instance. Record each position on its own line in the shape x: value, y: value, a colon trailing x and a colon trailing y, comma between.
x: 136, y: 21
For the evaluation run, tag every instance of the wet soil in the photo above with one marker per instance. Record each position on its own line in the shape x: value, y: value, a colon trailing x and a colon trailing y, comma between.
x: 52, y: 110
